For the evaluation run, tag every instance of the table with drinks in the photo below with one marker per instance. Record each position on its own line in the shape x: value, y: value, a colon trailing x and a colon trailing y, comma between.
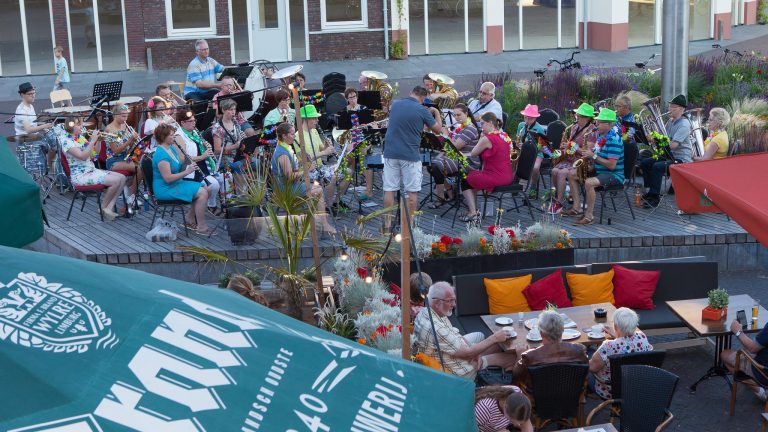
x: 581, y: 325
x: 689, y: 312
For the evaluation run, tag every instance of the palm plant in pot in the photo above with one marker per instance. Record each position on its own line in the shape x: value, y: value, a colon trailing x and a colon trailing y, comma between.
x: 718, y: 305
x: 247, y: 205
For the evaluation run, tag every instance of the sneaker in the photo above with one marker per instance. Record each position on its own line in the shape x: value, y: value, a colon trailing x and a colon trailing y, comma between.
x: 555, y: 208
x: 761, y: 395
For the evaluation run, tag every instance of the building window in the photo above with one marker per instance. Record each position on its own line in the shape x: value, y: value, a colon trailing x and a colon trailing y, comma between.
x: 190, y: 17
x: 344, y: 14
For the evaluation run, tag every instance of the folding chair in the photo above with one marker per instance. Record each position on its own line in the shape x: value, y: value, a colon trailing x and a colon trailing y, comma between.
x: 81, y: 191
x: 630, y: 157
x: 146, y: 169
x: 524, y: 169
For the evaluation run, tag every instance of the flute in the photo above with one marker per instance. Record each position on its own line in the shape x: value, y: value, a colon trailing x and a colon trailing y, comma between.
x: 188, y: 160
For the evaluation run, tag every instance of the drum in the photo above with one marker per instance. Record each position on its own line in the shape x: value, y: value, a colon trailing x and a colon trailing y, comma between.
x: 31, y: 158
x: 54, y: 136
x: 135, y: 105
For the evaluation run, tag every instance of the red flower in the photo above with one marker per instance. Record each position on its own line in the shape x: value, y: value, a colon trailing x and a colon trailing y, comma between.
x: 400, y: 328
x: 759, y: 71
x: 446, y: 240
x: 511, y: 233
x: 457, y: 241
x: 391, y: 302
x: 362, y: 272
x: 491, y: 229
x: 382, y: 329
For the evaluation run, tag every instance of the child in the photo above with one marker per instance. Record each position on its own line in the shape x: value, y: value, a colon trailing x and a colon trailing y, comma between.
x: 62, y: 70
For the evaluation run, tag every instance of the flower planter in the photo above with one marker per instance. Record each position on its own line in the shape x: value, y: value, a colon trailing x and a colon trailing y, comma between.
x: 444, y: 269
x: 709, y: 313
x: 242, y: 225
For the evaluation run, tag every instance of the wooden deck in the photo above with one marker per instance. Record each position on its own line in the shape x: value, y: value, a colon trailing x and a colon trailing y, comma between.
x: 659, y: 234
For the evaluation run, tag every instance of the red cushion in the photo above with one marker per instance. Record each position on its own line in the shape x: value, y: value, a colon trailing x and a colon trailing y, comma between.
x: 550, y: 288
x: 634, y: 288
x: 90, y: 188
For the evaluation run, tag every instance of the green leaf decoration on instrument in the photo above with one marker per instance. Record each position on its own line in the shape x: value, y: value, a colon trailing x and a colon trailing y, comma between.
x: 661, y: 147
x: 451, y: 153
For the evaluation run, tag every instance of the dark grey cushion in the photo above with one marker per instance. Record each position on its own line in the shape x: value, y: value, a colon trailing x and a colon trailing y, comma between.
x: 660, y: 317
x: 473, y: 323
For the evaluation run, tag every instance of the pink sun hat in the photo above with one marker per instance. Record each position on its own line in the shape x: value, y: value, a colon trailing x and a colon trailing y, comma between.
x: 531, y: 111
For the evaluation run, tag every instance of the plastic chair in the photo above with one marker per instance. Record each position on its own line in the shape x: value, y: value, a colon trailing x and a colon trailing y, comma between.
x: 630, y: 158
x: 82, y: 191
x: 63, y: 96
x: 559, y: 392
x: 524, y: 169
x: 146, y: 169
x: 647, y: 393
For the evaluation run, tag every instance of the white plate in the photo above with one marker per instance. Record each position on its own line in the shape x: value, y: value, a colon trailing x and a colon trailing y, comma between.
x: 533, y: 322
x: 502, y: 321
x: 511, y: 333
x: 569, y: 334
x: 593, y: 335
x: 534, y: 336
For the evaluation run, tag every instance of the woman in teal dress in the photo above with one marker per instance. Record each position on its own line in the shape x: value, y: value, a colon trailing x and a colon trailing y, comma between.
x: 168, y: 179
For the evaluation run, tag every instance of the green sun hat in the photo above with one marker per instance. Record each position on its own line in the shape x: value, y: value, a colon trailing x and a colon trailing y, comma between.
x: 606, y: 115
x: 309, y: 111
x: 585, y: 110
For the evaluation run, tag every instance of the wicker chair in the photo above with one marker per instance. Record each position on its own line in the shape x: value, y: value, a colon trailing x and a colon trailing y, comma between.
x: 649, y: 358
x: 740, y: 376
x: 647, y: 392
x: 558, y: 391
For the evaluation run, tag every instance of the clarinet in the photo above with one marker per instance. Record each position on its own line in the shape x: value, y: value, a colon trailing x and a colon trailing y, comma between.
x: 188, y: 160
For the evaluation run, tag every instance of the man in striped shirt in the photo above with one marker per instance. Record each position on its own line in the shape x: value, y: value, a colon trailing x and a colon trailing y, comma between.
x: 201, y: 74
x: 608, y: 156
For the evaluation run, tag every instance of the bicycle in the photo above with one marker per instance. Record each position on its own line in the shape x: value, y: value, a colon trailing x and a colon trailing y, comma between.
x: 727, y: 51
x: 566, y: 64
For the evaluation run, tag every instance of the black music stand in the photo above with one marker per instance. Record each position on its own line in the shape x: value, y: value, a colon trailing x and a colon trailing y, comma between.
x: 105, y: 92
x: 344, y: 118
x: 243, y: 99
x: 370, y: 98
x: 639, y: 132
x: 247, y: 147
x: 239, y: 73
x: 431, y: 142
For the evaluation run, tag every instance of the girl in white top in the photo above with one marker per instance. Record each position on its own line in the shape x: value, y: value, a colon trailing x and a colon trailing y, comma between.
x: 155, y: 116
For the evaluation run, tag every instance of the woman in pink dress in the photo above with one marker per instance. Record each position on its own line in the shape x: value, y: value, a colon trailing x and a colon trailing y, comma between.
x: 493, y: 149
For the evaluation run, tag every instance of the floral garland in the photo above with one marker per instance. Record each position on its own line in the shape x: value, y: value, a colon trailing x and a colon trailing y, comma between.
x: 359, y: 148
x: 459, y: 128
x: 661, y: 147
x: 450, y: 152
x: 312, y: 99
x: 570, y: 150
x: 83, y: 143
x: 268, y: 131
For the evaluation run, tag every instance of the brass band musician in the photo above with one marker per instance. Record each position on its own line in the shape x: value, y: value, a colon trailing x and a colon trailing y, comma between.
x: 229, y: 86
x: 576, y: 136
x: 120, y: 137
x: 201, y: 153
x: 283, y: 113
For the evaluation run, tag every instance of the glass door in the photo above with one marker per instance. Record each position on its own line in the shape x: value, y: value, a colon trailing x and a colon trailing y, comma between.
x: 26, y: 45
x: 97, y: 35
x: 642, y: 22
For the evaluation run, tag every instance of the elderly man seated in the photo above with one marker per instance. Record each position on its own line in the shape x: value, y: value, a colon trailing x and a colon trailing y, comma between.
x: 551, y: 350
x: 485, y: 102
x: 463, y: 355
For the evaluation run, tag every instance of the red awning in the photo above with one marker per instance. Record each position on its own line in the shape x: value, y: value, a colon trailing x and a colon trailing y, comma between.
x: 736, y: 186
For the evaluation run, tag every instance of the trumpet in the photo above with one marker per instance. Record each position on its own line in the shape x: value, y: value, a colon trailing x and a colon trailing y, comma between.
x: 105, y: 135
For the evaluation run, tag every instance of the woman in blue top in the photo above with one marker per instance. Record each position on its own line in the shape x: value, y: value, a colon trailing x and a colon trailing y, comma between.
x: 168, y: 172
x: 527, y: 131
x: 285, y: 169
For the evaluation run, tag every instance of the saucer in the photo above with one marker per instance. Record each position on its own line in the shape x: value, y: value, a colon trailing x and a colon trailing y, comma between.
x: 510, y: 331
x: 503, y: 321
x: 593, y: 335
x: 569, y: 334
x: 534, y: 336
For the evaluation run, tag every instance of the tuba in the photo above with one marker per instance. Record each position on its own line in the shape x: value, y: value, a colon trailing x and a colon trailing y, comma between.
x: 444, y: 87
x: 376, y: 83
x: 694, y: 116
x: 652, y: 120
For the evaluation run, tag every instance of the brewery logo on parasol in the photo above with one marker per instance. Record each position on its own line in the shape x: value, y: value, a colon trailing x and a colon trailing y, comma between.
x: 40, y: 314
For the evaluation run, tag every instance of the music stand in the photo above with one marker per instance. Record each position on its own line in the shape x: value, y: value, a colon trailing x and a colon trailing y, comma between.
x: 639, y: 132
x: 370, y: 98
x: 247, y: 147
x: 108, y: 92
x: 243, y: 99
x: 344, y: 118
x: 239, y: 73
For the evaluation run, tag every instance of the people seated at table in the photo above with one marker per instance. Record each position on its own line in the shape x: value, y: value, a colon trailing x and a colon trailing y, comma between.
x: 463, y: 355
x: 286, y: 172
x: 485, y: 102
x: 283, y: 113
x: 78, y: 151
x: 201, y: 154
x: 681, y: 148
x: 169, y: 170
x: 119, y: 139
x: 201, y: 74
x: 757, y: 346
x: 716, y: 143
x: 493, y: 150
x: 229, y: 86
x: 608, y: 158
x: 625, y: 338
x: 528, y: 131
x: 465, y: 138
x: 242, y: 285
x: 579, y: 134
x: 350, y: 94
x: 551, y: 350
x: 501, y: 408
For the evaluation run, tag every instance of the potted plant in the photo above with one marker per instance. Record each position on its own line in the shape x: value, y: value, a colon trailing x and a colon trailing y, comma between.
x: 718, y: 305
x: 241, y: 225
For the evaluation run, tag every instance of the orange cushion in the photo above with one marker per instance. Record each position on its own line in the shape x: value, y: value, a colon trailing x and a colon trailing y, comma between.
x: 590, y: 289
x: 506, y: 295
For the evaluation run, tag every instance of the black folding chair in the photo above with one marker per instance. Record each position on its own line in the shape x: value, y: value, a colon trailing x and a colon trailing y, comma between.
x: 524, y: 169
x: 547, y: 116
x: 646, y: 395
x: 630, y: 157
x: 146, y: 169
x: 559, y: 392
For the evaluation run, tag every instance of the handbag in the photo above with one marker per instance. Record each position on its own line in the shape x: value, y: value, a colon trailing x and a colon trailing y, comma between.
x: 493, y: 375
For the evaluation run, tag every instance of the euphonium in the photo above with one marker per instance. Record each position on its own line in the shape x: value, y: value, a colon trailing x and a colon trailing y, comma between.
x: 694, y: 115
x: 444, y: 87
x: 652, y: 120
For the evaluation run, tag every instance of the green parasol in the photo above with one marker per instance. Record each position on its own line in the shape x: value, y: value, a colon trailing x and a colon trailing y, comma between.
x: 86, y: 347
x: 22, y: 217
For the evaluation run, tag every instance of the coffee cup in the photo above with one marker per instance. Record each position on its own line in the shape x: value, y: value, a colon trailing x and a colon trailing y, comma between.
x: 598, y: 329
x: 510, y: 331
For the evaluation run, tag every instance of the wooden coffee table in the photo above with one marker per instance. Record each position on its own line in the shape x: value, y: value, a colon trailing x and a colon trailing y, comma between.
x: 583, y: 316
x: 689, y: 312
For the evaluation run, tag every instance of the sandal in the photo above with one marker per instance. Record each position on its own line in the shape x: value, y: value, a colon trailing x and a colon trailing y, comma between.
x: 585, y: 221
x: 437, y: 204
x: 210, y: 232
x: 571, y: 212
x: 470, y: 217
x: 191, y: 226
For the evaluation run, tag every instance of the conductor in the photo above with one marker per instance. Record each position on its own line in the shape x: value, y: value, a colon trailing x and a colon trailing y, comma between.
x: 402, y: 161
